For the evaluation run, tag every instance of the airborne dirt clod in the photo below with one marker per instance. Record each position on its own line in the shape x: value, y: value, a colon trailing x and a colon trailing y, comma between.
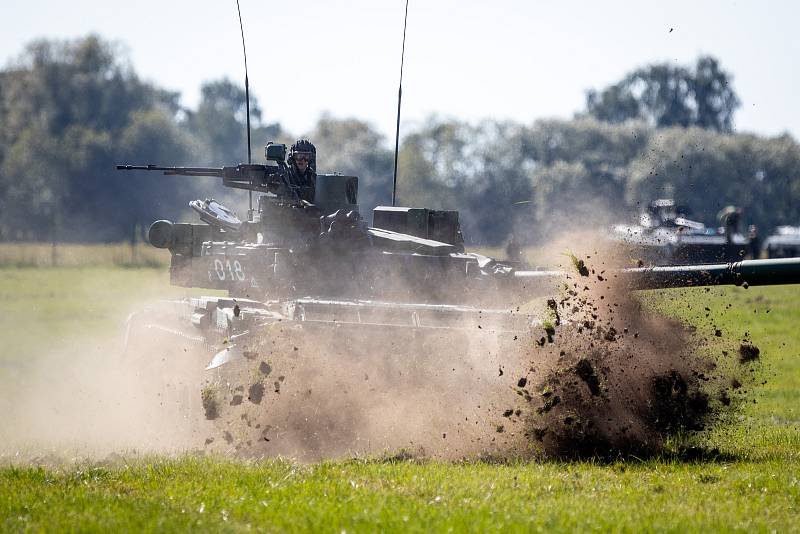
x: 210, y: 403
x: 255, y: 393
x: 748, y: 352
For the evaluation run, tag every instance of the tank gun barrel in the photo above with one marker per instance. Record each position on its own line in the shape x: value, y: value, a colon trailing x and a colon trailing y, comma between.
x: 251, y: 177
x: 750, y: 272
x: 184, y: 171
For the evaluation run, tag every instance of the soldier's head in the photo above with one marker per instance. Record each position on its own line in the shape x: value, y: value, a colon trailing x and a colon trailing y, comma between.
x: 303, y: 156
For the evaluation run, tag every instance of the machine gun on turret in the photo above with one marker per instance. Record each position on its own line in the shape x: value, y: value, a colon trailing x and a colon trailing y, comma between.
x: 275, y: 179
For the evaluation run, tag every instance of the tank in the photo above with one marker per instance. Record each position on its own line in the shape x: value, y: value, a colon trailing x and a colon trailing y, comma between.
x: 312, y: 265
x: 665, y: 235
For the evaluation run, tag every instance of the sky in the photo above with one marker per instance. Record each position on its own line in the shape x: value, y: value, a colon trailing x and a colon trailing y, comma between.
x: 505, y: 59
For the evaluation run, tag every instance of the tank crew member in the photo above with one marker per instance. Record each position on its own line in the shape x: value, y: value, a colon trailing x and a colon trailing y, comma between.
x: 729, y: 218
x: 302, y: 162
x: 755, y: 242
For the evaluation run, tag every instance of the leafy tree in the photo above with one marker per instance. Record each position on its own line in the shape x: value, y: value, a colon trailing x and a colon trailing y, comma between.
x: 218, y: 129
x: 666, y: 95
x: 564, y: 199
x: 598, y: 154
x: 715, y: 98
x: 70, y: 110
x: 433, y: 168
x: 64, y: 107
x: 29, y: 191
x: 220, y: 124
x: 480, y: 170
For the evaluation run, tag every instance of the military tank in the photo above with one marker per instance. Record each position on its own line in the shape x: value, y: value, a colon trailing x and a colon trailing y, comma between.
x: 317, y: 263
x: 665, y: 235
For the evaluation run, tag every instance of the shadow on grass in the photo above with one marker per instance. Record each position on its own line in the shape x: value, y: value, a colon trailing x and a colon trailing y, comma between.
x: 699, y: 455
x: 687, y: 455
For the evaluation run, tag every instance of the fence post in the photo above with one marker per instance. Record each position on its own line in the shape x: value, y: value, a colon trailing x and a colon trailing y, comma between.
x: 53, y: 238
x: 134, y: 230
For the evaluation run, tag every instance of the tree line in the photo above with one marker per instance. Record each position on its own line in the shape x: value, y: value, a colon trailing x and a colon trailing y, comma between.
x: 71, y: 110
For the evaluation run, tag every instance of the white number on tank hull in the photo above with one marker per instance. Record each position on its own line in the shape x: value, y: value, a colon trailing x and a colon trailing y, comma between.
x: 228, y: 270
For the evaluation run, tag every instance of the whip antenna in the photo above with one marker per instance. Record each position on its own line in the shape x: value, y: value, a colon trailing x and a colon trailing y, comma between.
x: 399, y: 100
x: 247, y: 102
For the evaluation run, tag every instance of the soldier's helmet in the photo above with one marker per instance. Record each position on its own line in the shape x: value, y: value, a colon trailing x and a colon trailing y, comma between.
x: 306, y: 147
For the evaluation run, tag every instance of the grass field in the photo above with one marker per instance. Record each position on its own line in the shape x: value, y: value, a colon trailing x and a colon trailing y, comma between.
x: 752, y: 484
x: 79, y: 255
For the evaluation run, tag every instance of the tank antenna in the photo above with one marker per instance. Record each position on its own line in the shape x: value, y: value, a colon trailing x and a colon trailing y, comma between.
x: 399, y: 100
x: 247, y: 103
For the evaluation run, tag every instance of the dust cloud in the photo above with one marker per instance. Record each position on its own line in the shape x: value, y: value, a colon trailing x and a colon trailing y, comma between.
x: 599, y: 375
x: 323, y: 391
x: 91, y: 398
x: 340, y: 392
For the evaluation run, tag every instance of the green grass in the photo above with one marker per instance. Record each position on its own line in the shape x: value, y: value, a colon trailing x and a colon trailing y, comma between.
x: 769, y: 426
x: 752, y: 485
x: 356, y: 496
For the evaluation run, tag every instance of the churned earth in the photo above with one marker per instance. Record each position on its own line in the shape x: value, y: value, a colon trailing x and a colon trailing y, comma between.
x: 614, y: 378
